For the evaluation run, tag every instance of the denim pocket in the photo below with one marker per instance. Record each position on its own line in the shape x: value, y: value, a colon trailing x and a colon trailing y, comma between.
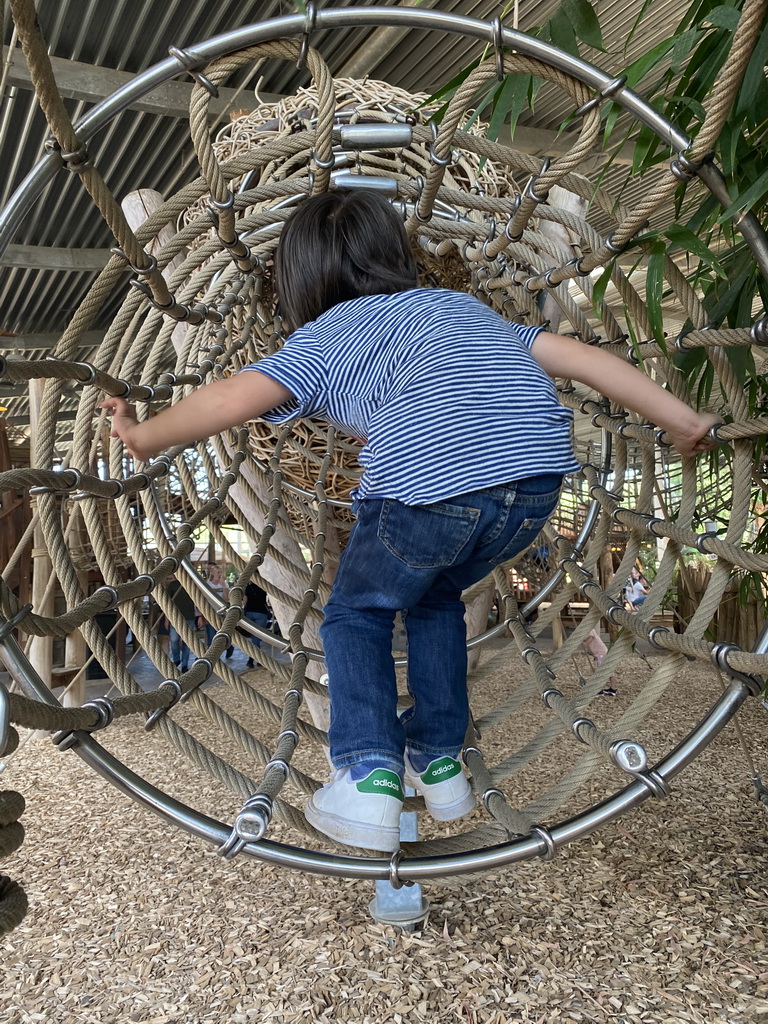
x: 426, y: 536
x: 533, y: 515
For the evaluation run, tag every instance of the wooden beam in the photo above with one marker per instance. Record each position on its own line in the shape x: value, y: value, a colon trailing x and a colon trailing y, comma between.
x: 91, y: 84
x: 40, y: 257
x: 47, y: 340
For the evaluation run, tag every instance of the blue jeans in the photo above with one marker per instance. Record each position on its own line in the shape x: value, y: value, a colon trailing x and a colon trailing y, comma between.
x: 180, y: 653
x: 258, y: 619
x: 416, y: 559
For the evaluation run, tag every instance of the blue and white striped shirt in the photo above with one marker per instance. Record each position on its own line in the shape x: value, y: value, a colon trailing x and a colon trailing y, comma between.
x: 445, y: 392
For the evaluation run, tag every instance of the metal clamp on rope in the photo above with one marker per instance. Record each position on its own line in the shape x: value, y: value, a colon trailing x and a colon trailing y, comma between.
x: 188, y: 62
x: 252, y: 821
x: 630, y: 757
x: 497, y: 30
x: 550, y: 846
x: 470, y: 750
x: 684, y: 168
x: 611, y: 246
x: 277, y: 762
x: 145, y: 578
x: 547, y: 696
x: 68, y: 738
x: 701, y: 537
x: 441, y: 161
x: 127, y: 388
x: 76, y: 161
x: 90, y: 371
x: 576, y: 726
x: 159, y: 712
x: 719, y: 655
x: 77, y: 479
x: 118, y: 492
x: 486, y: 797
x: 324, y: 165
x: 9, y: 625
x: 613, y: 612
x: 394, y: 868
x: 606, y: 93
x: 114, y: 597
x: 384, y: 135
x: 193, y: 689
x: 577, y: 263
x: 529, y: 190
x: 250, y: 825
x: 289, y: 732
x: 150, y: 268
x: 309, y: 28
x: 653, y: 633
x: 758, y: 332
x: 587, y: 584
x: 5, y: 719
x: 658, y: 786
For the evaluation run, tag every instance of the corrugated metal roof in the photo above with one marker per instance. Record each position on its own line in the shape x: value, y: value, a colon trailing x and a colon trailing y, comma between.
x: 150, y: 150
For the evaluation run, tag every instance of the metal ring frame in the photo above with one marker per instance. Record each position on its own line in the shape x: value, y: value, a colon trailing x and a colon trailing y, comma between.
x: 414, y: 869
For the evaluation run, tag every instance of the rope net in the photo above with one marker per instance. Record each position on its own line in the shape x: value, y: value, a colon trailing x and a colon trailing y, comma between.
x: 530, y: 239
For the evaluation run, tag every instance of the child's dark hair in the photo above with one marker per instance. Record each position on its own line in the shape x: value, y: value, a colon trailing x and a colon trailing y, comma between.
x: 338, y: 246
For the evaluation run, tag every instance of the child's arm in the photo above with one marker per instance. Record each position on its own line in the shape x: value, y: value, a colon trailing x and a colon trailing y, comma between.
x: 207, y: 411
x: 626, y: 385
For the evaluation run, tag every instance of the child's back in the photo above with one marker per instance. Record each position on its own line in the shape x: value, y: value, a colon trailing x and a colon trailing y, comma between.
x: 445, y: 392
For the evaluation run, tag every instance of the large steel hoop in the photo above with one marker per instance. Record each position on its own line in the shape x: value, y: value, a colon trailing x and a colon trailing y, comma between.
x: 540, y: 843
x: 360, y: 17
x: 543, y: 843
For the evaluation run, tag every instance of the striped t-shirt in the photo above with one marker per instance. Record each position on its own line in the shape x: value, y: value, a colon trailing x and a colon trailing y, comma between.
x: 445, y: 392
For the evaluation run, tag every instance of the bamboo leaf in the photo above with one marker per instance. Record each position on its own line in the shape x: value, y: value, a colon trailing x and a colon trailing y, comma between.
x: 683, y: 45
x: 754, y: 79
x: 582, y: 16
x: 599, y: 287
x: 744, y: 202
x: 704, y: 390
x: 636, y: 24
x: 654, y: 288
x: 723, y: 17
x: 450, y: 88
x: 639, y: 68
x: 562, y: 35
x: 502, y: 104
x: 680, y: 235
x: 741, y: 359
x: 518, y: 100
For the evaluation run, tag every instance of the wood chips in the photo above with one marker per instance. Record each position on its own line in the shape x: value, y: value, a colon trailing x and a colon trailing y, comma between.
x: 660, y: 917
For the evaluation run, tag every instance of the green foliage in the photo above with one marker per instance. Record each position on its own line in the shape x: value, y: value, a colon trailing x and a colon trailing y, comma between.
x: 572, y: 23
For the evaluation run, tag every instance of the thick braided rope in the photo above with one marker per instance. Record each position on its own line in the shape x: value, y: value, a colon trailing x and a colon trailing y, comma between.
x: 137, y: 344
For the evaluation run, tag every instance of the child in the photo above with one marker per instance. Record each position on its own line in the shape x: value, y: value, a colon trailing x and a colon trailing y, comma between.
x: 466, y: 448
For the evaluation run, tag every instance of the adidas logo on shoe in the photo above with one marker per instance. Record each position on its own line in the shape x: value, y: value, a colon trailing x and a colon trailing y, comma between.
x: 365, y: 813
x: 444, y: 786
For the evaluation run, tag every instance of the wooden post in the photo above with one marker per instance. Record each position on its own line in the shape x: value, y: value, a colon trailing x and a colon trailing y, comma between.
x: 476, y: 618
x: 571, y: 203
x: 75, y: 654
x: 137, y: 206
x: 41, y: 647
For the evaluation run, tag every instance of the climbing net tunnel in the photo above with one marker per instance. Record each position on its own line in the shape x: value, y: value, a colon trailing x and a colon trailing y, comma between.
x: 192, y: 290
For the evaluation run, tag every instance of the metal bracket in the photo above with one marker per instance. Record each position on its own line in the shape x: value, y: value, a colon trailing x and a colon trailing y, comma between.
x: 7, y: 627
x: 190, y: 65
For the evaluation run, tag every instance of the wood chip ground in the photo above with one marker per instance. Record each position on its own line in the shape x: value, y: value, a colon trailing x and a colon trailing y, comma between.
x: 658, y: 918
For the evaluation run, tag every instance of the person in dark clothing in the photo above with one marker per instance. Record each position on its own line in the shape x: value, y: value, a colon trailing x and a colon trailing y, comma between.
x: 180, y: 653
x: 256, y: 610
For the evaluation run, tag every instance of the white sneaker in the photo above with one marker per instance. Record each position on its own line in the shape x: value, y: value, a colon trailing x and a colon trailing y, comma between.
x: 365, y: 813
x: 444, y: 786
